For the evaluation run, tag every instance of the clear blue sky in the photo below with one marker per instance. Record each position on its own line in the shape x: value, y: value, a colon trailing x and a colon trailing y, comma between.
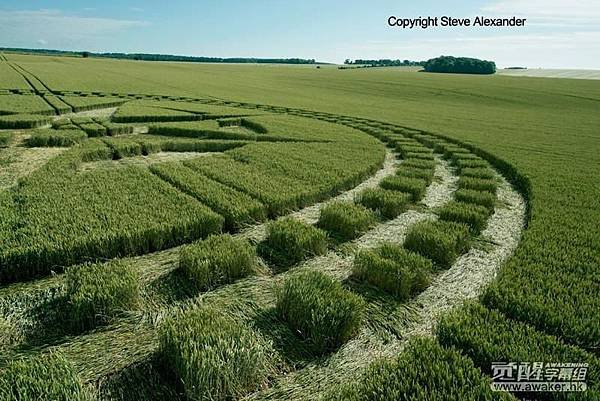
x: 558, y: 33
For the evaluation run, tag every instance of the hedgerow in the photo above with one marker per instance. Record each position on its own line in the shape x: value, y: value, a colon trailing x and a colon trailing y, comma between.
x: 43, y: 377
x: 289, y: 241
x: 345, y: 220
x: 47, y: 138
x: 393, y: 269
x: 474, y: 216
x: 98, y: 292
x: 440, y: 241
x: 236, y: 207
x: 478, y: 184
x: 389, y: 204
x: 482, y: 198
x: 486, y: 336
x: 319, y: 309
x: 15, y: 121
x: 217, y: 260
x: 214, y: 356
x: 423, y: 371
x: 414, y: 186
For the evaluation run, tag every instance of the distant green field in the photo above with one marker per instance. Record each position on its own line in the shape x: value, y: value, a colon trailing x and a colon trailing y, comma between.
x: 282, y: 138
x: 551, y: 73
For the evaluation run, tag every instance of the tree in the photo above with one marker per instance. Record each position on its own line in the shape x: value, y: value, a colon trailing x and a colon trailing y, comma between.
x: 460, y: 65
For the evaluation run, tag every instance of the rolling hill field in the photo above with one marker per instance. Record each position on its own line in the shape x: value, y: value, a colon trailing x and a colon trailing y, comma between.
x: 220, y: 231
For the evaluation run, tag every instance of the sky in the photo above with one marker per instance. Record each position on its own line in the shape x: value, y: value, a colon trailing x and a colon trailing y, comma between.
x: 557, y: 34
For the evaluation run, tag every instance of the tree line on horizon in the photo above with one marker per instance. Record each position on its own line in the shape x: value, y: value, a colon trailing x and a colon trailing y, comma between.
x: 448, y: 64
x: 384, y: 63
x: 165, y: 57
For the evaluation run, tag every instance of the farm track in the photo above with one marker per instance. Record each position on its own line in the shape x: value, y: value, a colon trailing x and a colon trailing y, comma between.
x: 104, y: 355
x: 30, y: 79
